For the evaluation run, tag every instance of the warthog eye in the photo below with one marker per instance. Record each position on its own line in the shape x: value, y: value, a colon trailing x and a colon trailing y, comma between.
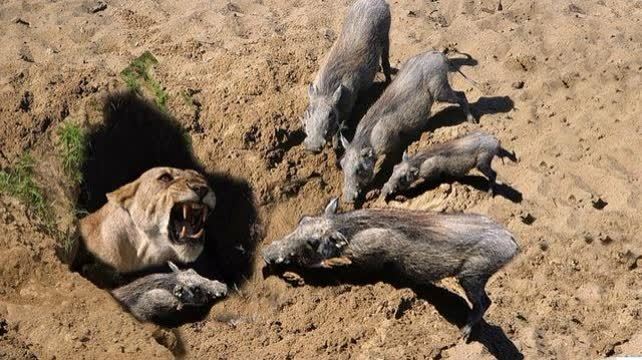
x: 314, y: 243
x: 165, y: 178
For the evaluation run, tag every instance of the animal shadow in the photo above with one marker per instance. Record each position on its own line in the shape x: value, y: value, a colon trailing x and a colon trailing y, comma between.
x: 449, y: 305
x: 135, y: 136
x: 453, y: 115
x: 478, y: 182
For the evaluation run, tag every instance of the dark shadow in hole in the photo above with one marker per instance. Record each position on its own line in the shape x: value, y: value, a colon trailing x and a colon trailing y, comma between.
x: 478, y: 182
x: 449, y: 305
x: 135, y: 136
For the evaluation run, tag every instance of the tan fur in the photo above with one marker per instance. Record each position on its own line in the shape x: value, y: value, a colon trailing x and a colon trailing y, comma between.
x: 130, y: 232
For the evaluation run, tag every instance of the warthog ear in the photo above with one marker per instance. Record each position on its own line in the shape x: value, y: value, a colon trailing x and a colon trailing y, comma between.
x: 336, y: 97
x: 124, y: 195
x: 173, y: 267
x: 311, y: 90
x: 331, y: 208
x: 344, y: 142
x: 405, y: 157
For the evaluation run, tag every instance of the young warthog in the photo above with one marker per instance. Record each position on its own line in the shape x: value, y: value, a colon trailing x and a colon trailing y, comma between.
x: 349, y: 68
x: 454, y: 158
x: 400, y: 113
x: 419, y: 246
x: 161, y: 297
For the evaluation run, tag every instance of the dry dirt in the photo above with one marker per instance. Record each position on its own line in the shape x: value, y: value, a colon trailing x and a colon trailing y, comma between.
x: 560, y: 85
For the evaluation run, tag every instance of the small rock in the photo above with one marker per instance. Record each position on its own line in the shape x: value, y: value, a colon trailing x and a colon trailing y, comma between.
x: 605, y: 238
x: 630, y: 259
x: 233, y: 7
x: 26, y: 101
x: 100, y: 6
x: 499, y: 6
x: 412, y: 13
x: 445, y: 188
x: 526, y: 217
x: 543, y: 246
x: 576, y: 9
x: 328, y: 34
x: 518, y: 84
x: 598, y: 203
x: 4, y: 327
x: 25, y: 55
x: 20, y: 21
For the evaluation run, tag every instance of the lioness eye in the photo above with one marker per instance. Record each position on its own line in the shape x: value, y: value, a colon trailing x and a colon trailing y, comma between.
x: 166, y: 177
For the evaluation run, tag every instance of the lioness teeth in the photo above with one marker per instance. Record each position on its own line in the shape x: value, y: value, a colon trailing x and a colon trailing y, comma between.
x: 183, y: 232
x: 204, y: 215
x: 198, y: 234
x: 184, y: 212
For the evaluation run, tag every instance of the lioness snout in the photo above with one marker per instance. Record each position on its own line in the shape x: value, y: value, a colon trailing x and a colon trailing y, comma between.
x: 200, y: 190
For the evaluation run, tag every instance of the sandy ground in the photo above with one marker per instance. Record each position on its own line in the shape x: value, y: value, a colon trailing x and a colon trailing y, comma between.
x: 559, y: 85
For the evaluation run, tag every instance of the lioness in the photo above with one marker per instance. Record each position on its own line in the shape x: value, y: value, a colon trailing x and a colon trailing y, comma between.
x: 159, y: 217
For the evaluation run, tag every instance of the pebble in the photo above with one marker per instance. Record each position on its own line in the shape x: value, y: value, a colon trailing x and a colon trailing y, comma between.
x: 518, y: 84
x: 598, y: 203
x: 526, y: 217
x: 21, y: 21
x: 100, y: 6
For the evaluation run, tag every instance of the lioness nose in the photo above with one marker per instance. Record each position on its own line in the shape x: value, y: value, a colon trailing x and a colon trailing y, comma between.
x: 200, y: 190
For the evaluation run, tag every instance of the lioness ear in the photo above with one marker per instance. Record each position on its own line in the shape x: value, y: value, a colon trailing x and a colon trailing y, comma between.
x: 332, y: 206
x: 124, y: 195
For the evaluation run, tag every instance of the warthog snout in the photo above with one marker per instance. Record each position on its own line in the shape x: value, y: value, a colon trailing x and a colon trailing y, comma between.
x: 272, y: 255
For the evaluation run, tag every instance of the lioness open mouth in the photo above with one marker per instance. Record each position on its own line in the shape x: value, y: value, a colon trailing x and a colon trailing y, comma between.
x: 187, y: 222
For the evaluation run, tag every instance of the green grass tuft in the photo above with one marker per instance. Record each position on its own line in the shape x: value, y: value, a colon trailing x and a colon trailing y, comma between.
x: 138, y: 76
x: 72, y: 148
x: 19, y: 182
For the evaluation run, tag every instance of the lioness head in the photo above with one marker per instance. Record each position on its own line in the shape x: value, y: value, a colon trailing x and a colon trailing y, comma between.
x: 170, y: 206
